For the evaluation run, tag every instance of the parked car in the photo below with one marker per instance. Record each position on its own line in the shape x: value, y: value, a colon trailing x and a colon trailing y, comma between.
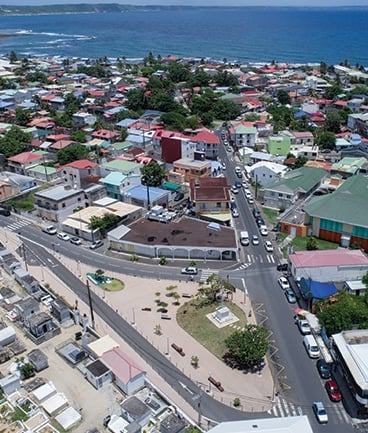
x: 268, y: 246
x: 179, y: 196
x: 239, y: 174
x: 250, y: 200
x: 283, y: 283
x: 223, y: 166
x: 76, y: 241
x: 260, y: 222
x: 234, y: 189
x: 63, y: 236
x: 238, y: 184
x: 290, y: 296
x: 238, y: 169
x: 4, y: 211
x: 51, y: 230
x: 263, y: 230
x: 333, y: 390
x: 282, y: 267
x: 96, y: 244
x: 190, y: 270
x: 323, y: 369
x: 235, y: 212
x: 320, y: 412
x: 255, y: 240
x: 304, y: 326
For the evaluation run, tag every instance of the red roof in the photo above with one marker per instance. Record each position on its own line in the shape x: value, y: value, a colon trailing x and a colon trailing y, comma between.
x: 121, y: 365
x: 57, y: 137
x: 338, y: 257
x: 206, y: 136
x: 25, y: 157
x: 61, y: 144
x: 81, y: 164
x: 341, y: 103
x: 104, y: 134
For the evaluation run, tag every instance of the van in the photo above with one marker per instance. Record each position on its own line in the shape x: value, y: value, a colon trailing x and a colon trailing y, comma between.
x: 51, y: 230
x: 244, y: 238
x: 311, y: 346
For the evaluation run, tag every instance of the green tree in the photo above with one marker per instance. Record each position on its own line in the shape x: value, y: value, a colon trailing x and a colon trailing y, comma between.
x: 312, y: 244
x: 300, y: 161
x: 214, y: 286
x: 72, y: 153
x: 226, y: 110
x: 22, y: 116
x: 14, y: 141
x: 194, y: 361
x: 78, y: 136
x: 249, y: 346
x: 326, y: 140
x: 283, y: 97
x: 332, y: 92
x: 333, y: 121
x: 178, y: 72
x: 152, y: 174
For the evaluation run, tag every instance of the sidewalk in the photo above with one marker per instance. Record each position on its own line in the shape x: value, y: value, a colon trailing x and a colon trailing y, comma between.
x: 254, y: 390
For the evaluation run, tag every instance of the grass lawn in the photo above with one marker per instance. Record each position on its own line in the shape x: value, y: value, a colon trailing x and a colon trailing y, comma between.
x: 300, y: 244
x: 195, y: 323
x: 270, y: 215
x: 114, y: 285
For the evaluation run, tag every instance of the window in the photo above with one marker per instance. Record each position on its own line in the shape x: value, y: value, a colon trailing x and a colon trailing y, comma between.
x: 63, y: 205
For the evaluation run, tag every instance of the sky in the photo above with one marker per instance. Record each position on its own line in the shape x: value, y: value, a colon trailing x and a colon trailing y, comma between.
x: 308, y: 3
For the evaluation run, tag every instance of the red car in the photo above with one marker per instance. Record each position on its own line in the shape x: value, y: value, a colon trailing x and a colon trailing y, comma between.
x: 333, y: 390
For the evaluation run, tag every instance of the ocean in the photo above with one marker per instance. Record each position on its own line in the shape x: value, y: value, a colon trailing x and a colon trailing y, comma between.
x: 238, y: 34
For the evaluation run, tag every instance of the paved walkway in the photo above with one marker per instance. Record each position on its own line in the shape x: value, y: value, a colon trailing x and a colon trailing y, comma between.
x: 254, y: 390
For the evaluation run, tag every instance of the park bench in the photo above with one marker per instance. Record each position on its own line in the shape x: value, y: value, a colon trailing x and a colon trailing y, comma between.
x: 178, y: 349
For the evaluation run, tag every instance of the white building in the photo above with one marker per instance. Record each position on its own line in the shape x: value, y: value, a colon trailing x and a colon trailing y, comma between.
x: 265, y: 172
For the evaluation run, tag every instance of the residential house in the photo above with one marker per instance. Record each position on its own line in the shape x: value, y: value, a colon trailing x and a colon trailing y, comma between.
x: 128, y: 376
x: 83, y: 119
x: 125, y: 167
x: 106, y: 134
x: 117, y: 183
x: 23, y: 161
x: 78, y: 174
x: 358, y: 122
x: 44, y: 173
x: 56, y: 203
x: 172, y: 423
x: 348, y: 166
x: 265, y: 172
x: 341, y: 217
x: 279, y: 145
x: 6, y: 190
x: 19, y: 183
x: 98, y: 374
x: 94, y: 192
x: 325, y: 266
x: 191, y: 169
x: 295, y: 184
x: 244, y: 135
x: 146, y: 196
x: 207, y: 143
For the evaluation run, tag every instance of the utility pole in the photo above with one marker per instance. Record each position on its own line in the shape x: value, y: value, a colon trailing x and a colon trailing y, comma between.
x: 90, y: 304
x: 24, y: 256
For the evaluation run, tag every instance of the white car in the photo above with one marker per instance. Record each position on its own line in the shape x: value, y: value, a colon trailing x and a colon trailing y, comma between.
x: 235, y: 212
x: 63, y: 236
x: 263, y: 230
x: 247, y: 193
x: 238, y: 170
x: 255, y: 240
x: 234, y: 190
x: 268, y: 246
x: 320, y: 412
x: 250, y: 200
x: 190, y: 270
x: 304, y: 326
x: 283, y: 283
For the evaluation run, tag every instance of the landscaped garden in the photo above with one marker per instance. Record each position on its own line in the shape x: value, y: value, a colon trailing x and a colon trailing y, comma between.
x: 107, y: 283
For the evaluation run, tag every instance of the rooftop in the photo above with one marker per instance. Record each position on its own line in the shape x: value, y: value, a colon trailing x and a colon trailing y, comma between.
x: 339, y: 257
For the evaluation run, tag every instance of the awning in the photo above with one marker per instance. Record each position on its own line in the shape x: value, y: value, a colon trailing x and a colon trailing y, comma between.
x: 223, y: 217
x: 170, y: 186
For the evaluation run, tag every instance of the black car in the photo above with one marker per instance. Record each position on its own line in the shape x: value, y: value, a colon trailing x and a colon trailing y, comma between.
x: 324, y: 369
x: 179, y: 196
x: 282, y: 267
x: 238, y: 185
x: 260, y: 222
x: 256, y: 213
x: 4, y: 211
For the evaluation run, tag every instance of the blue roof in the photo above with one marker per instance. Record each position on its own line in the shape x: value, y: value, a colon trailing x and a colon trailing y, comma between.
x: 139, y: 192
x: 315, y: 289
x: 126, y: 122
x: 301, y: 114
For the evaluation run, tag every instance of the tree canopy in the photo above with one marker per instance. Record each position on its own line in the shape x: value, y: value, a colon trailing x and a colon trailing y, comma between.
x: 249, y: 346
x: 152, y: 174
x: 72, y: 153
x: 14, y: 141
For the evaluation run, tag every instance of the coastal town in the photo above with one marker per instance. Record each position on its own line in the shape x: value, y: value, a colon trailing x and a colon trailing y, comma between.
x: 176, y: 187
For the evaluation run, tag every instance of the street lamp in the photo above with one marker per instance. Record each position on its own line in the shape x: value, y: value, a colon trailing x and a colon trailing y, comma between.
x: 146, y: 181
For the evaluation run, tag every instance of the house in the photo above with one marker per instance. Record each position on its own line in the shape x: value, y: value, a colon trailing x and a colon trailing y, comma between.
x: 106, y: 134
x: 78, y: 174
x: 56, y: 203
x: 128, y: 376
x: 18, y: 182
x: 174, y: 146
x: 146, y: 196
x: 206, y: 142
x: 134, y: 410
x: 341, y: 216
x: 44, y: 173
x: 191, y: 168
x: 22, y: 162
x: 264, y: 172
x: 348, y: 166
x: 350, y: 348
x: 6, y: 190
x: 243, y: 135
x: 211, y: 198
x: 124, y: 167
x: 325, y: 266
x: 295, y: 184
x: 98, y: 374
x: 38, y: 359
x: 83, y: 119
x: 116, y: 183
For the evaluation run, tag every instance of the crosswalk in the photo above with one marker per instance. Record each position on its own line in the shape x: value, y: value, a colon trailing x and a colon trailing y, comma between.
x: 283, y: 408
x: 18, y: 225
x: 205, y: 273
x: 253, y: 258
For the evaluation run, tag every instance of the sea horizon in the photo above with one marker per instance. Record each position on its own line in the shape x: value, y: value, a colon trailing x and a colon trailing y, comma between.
x: 252, y: 34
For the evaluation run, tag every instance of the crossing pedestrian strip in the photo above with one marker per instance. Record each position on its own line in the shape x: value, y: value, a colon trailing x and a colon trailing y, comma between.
x: 205, y: 273
x: 18, y: 225
x: 251, y: 258
x: 282, y: 408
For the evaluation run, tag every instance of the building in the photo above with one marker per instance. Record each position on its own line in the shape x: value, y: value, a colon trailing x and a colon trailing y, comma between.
x: 79, y: 174
x: 294, y: 185
x: 279, y: 145
x: 290, y: 424
x: 134, y: 410
x: 210, y: 198
x: 38, y: 359
x: 98, y: 374
x: 336, y: 266
x: 22, y: 162
x: 172, y: 424
x: 191, y: 169
x: 348, y: 166
x: 244, y: 136
x: 116, y: 183
x: 351, y: 349
x: 341, y: 217
x: 56, y: 203
x: 264, y: 172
